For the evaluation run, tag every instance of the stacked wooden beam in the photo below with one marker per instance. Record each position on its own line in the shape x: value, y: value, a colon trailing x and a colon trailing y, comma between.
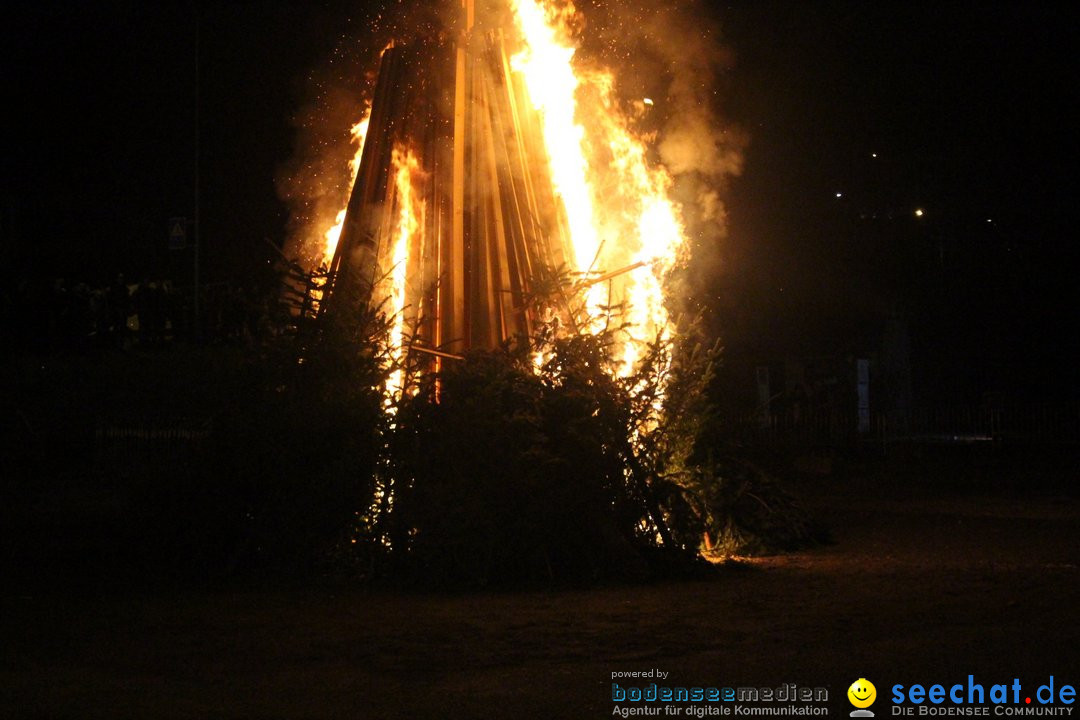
x: 491, y: 229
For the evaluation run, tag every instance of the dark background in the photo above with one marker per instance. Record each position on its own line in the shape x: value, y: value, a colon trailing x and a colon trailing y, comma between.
x: 965, y: 105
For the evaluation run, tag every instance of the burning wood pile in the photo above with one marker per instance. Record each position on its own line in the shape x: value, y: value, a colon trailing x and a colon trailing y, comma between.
x: 508, y: 235
x: 489, y: 169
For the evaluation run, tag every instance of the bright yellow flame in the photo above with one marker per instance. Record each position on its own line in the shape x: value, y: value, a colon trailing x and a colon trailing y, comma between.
x: 359, y: 134
x: 618, y: 205
x: 410, y: 210
x: 546, y: 65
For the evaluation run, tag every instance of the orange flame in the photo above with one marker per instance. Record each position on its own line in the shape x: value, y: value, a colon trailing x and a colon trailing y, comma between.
x: 618, y: 207
x: 359, y: 134
x: 410, y: 212
x: 617, y: 203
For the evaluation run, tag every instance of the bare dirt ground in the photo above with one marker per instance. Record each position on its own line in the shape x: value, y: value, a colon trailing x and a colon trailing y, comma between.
x: 918, y: 587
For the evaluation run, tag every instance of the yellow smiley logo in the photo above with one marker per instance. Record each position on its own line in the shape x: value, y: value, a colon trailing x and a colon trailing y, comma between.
x: 862, y: 693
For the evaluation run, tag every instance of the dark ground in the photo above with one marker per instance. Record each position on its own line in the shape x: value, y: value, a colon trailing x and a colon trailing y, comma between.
x: 921, y: 585
x: 945, y: 563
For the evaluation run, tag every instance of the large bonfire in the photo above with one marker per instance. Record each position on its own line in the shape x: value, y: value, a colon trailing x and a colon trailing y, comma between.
x: 504, y: 196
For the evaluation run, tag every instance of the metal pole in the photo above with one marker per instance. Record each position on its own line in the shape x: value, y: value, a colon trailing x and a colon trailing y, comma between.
x: 196, y: 324
x: 613, y: 274
x: 436, y: 353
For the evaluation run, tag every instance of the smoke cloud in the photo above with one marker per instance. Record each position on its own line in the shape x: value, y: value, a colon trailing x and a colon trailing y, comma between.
x: 673, y: 53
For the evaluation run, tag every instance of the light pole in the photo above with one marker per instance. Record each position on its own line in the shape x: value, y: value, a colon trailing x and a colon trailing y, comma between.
x: 196, y: 236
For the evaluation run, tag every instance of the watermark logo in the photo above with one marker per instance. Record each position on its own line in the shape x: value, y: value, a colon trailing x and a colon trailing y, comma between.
x: 862, y: 695
x: 975, y: 698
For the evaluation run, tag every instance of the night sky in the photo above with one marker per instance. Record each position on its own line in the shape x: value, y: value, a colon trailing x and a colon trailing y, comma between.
x: 965, y: 105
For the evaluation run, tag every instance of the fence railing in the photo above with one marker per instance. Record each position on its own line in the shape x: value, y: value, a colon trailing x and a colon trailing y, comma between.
x: 135, y: 442
x: 1050, y: 423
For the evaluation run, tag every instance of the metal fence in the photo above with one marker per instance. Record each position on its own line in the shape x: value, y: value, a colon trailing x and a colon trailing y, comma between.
x: 132, y: 443
x: 1041, y: 424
